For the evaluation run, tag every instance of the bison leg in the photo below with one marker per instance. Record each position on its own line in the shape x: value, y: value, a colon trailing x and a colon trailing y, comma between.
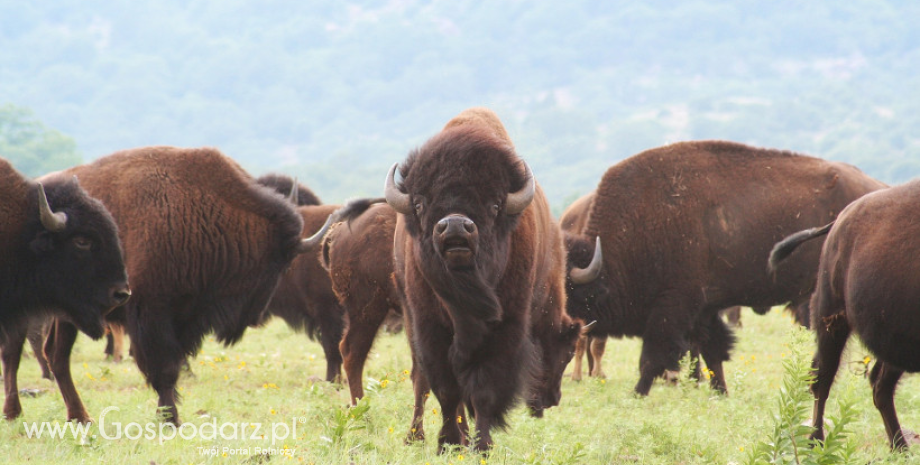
x: 420, y: 389
x: 117, y: 338
x: 831, y: 342
x: 331, y: 327
x: 662, y: 346
x: 884, y: 378
x: 11, y: 353
x: 36, y: 336
x: 715, y: 348
x: 58, y: 347
x: 580, y: 347
x: 598, y: 347
x: 363, y: 324
x: 159, y: 356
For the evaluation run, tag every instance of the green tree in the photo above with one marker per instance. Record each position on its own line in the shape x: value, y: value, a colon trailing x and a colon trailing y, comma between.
x: 33, y: 148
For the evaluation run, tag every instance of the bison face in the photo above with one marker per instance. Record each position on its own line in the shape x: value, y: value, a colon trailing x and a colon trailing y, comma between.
x: 76, y: 256
x: 462, y: 194
x: 556, y: 350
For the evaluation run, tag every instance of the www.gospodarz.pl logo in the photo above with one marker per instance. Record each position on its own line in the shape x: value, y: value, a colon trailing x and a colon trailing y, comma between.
x: 162, y: 432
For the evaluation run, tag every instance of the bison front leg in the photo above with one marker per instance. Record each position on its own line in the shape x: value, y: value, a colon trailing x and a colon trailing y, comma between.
x: 662, y: 346
x: 420, y: 389
x: 11, y: 353
x: 715, y: 348
x: 159, y: 357
x: 58, y: 347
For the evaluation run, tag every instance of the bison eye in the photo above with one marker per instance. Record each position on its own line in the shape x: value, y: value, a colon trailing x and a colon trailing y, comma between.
x: 418, y: 208
x: 82, y: 243
x: 495, y: 209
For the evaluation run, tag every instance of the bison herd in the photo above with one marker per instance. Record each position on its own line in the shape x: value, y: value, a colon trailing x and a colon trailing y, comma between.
x: 496, y: 295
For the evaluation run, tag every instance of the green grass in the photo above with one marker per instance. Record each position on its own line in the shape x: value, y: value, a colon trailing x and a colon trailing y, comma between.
x: 270, y: 377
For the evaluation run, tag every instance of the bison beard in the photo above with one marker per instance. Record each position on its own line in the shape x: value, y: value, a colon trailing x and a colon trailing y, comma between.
x: 473, y: 306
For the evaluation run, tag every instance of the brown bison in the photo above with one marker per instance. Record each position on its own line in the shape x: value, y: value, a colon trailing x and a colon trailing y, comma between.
x: 205, y: 246
x: 304, y: 298
x: 685, y: 230
x: 358, y: 254
x: 59, y: 256
x: 868, y: 284
x: 478, y: 257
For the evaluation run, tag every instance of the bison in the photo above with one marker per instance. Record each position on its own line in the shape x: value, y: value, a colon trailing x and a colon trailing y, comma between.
x: 60, y: 256
x: 867, y: 284
x: 478, y: 258
x: 205, y: 246
x: 358, y: 254
x: 304, y: 298
x: 685, y: 229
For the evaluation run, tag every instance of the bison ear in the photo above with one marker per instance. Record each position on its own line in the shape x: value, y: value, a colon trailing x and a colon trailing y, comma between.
x: 572, y: 329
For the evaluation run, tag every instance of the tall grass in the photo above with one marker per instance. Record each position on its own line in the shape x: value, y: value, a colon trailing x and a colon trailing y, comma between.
x: 271, y: 378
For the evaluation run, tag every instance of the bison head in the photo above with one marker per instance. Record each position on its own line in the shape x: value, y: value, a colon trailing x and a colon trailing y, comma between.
x: 462, y: 193
x: 555, y: 351
x: 75, y: 255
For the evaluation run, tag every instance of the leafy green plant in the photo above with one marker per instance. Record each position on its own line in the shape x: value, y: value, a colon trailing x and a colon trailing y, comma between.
x: 789, y: 441
x: 347, y: 419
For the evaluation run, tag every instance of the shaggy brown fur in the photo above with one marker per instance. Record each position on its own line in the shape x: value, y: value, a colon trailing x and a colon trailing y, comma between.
x: 205, y: 246
x: 868, y: 284
x: 685, y: 230
x: 358, y: 254
x: 73, y: 271
x: 469, y: 313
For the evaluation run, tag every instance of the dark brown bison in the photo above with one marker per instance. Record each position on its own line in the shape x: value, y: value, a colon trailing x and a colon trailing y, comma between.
x: 479, y: 258
x: 685, y: 229
x: 868, y: 284
x: 205, y: 246
x: 304, y: 298
x: 59, y: 256
x: 358, y: 254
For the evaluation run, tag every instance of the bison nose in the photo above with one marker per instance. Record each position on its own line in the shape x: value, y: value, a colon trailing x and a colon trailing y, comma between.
x: 455, y: 225
x: 120, y: 296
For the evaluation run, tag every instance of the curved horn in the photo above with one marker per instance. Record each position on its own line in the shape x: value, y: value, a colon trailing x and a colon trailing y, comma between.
x: 587, y: 328
x: 518, y: 201
x: 309, y: 243
x: 54, y: 222
x: 294, y: 195
x: 396, y: 199
x: 589, y: 274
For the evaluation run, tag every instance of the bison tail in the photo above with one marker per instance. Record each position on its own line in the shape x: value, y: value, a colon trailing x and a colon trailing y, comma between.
x: 354, y: 208
x: 785, y: 247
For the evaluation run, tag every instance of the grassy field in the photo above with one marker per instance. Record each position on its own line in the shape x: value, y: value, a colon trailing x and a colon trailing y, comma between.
x: 270, y: 379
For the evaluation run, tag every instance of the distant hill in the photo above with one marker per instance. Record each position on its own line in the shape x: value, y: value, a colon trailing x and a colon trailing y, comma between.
x: 334, y: 92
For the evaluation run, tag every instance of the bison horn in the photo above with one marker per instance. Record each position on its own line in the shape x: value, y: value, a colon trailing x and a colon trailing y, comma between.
x: 585, y: 329
x: 54, y: 222
x: 396, y: 199
x: 293, y: 197
x: 589, y: 274
x: 518, y: 201
x: 311, y: 242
